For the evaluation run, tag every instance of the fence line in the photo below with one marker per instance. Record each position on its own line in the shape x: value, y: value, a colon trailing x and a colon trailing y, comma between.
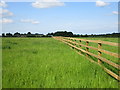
x: 74, y: 44
x: 97, y: 41
x: 99, y: 49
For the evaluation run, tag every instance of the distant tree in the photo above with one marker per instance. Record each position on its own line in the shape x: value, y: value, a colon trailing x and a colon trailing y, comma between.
x: 17, y: 34
x: 38, y: 35
x: 50, y: 34
x: 69, y: 34
x: 8, y: 35
x: 85, y: 35
x: 29, y: 34
x: 76, y: 35
x: 63, y: 33
x: 3, y: 34
x: 23, y: 35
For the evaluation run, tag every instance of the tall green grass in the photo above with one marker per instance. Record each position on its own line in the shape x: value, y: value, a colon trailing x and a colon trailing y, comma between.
x: 48, y: 63
x: 110, y: 48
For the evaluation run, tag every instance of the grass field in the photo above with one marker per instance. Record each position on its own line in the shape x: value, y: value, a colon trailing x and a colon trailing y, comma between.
x: 48, y: 63
x: 105, y: 47
x: 109, y: 39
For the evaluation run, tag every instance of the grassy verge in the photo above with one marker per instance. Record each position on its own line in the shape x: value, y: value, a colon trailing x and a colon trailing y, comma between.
x: 48, y: 63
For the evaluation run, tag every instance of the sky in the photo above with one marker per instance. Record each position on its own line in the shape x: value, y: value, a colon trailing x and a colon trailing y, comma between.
x: 44, y: 17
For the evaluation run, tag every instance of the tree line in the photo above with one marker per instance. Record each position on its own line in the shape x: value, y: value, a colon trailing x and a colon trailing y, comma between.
x: 29, y: 34
x: 58, y: 33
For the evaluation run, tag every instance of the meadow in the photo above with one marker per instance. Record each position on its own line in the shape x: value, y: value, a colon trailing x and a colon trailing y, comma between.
x: 110, y: 48
x: 48, y: 63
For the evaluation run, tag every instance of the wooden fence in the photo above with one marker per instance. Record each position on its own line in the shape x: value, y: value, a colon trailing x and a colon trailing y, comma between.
x: 72, y: 42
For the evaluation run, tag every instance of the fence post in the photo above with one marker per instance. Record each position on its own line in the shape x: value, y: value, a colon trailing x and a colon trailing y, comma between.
x: 99, y: 52
x: 87, y: 49
x: 75, y: 42
x: 80, y: 43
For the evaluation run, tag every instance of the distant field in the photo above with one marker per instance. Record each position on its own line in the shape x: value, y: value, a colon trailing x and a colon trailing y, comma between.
x: 48, y: 63
x: 103, y: 39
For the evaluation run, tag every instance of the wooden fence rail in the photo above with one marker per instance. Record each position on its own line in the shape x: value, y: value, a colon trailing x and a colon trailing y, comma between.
x: 69, y: 41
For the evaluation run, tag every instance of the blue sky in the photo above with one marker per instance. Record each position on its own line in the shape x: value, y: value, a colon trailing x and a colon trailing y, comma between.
x: 78, y: 17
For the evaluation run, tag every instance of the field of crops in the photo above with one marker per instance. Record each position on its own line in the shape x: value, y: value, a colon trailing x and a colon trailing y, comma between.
x: 48, y: 63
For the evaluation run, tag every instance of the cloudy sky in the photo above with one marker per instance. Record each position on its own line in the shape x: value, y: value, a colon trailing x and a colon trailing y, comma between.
x: 43, y: 17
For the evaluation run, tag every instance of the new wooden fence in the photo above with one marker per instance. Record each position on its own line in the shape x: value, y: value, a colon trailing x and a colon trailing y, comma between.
x: 72, y: 42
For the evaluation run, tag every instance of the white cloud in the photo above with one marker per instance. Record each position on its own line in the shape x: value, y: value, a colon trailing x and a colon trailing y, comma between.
x: 115, y: 12
x: 101, y: 3
x: 5, y: 20
x: 3, y: 4
x: 5, y: 13
x: 29, y: 21
x: 47, y: 3
x: 35, y: 22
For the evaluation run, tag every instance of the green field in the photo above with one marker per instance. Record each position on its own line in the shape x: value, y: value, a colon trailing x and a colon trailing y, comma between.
x: 48, y: 63
x: 109, y: 39
x: 110, y: 48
